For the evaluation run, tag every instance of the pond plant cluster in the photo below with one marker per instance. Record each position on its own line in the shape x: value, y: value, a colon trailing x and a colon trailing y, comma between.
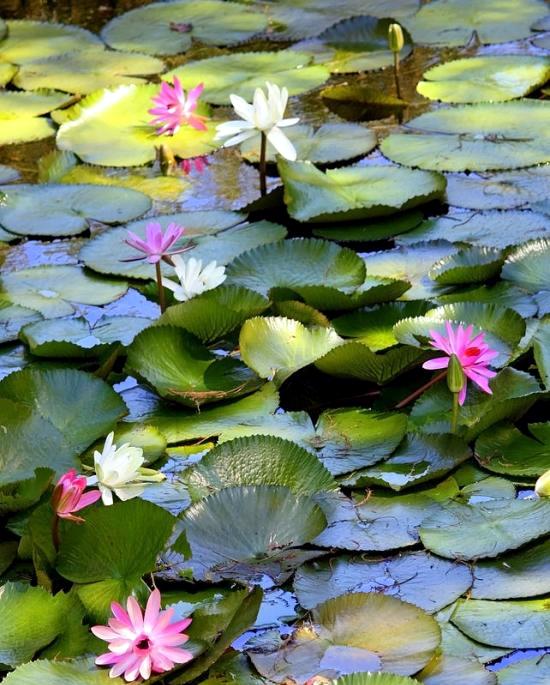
x: 273, y: 405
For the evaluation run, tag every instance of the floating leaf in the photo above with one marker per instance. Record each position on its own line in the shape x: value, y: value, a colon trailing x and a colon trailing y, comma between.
x: 520, y: 624
x: 505, y: 449
x: 217, y: 235
x: 355, y: 44
x: 490, y: 78
x: 259, y: 460
x: 541, y: 351
x: 20, y: 114
x: 84, y: 71
x: 154, y: 29
x: 526, y: 266
x: 416, y: 577
x: 361, y: 103
x: 112, y: 127
x: 520, y: 574
x: 534, y: 671
x: 352, y: 631
x: 75, y: 337
x: 452, y: 22
x: 276, y: 347
x: 13, y: 318
x: 497, y: 136
x: 491, y: 229
x: 327, y: 143
x: 50, y: 289
x: 448, y: 670
x: 242, y: 72
x: 245, y: 530
x: 354, y: 192
x: 60, y: 673
x: 30, y: 40
x: 474, y: 265
x: 500, y: 294
x: 463, y: 531
x: 371, y: 230
x: 7, y: 72
x: 62, y: 210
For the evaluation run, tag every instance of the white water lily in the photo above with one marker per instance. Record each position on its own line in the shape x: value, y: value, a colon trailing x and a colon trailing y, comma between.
x: 119, y: 470
x: 265, y: 115
x: 194, y: 280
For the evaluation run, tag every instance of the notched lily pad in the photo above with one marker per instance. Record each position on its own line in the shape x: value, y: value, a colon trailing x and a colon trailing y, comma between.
x: 505, y: 449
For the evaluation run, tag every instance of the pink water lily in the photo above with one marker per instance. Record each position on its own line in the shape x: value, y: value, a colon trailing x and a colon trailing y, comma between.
x: 473, y: 353
x: 140, y: 645
x: 156, y: 243
x: 199, y: 164
x: 69, y: 496
x: 174, y: 108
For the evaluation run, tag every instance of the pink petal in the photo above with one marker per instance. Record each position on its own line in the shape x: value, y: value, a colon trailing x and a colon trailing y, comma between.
x: 462, y: 394
x: 450, y: 337
x: 194, y: 94
x: 178, y: 656
x: 439, y: 342
x: 108, y: 659
x: 480, y: 381
x: 152, y: 611
x: 134, y: 612
x: 197, y: 123
x: 87, y: 499
x: 145, y: 668
x: 437, y: 363
x: 120, y: 613
x: 171, y: 640
x: 104, y: 633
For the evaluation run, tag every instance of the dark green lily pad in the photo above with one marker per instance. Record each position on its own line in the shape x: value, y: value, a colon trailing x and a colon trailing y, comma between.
x: 354, y: 192
x: 62, y: 210
x: 385, y: 227
x: 361, y: 103
x: 473, y: 265
x: 242, y: 531
x: 416, y: 577
x: 490, y: 78
x: 507, y: 135
x: 526, y: 266
x: 154, y: 29
x: 505, y: 449
x: 182, y: 369
x: 463, y: 531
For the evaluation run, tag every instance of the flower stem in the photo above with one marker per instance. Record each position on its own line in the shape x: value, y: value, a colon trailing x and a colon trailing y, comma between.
x: 420, y: 390
x: 396, y: 74
x: 55, y: 532
x: 454, y: 416
x: 263, y: 149
x: 107, y: 366
x: 162, y: 301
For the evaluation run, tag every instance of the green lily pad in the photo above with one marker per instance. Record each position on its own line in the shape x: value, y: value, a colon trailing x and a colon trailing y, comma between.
x: 215, y: 313
x: 353, y: 45
x: 490, y: 229
x: 84, y: 71
x: 13, y: 318
x: 535, y: 671
x: 473, y: 265
x: 20, y: 115
x: 62, y: 210
x: 525, y: 266
x: 77, y: 338
x: 50, y: 289
x: 60, y: 673
x: 361, y: 102
x: 380, y: 523
x: 243, y: 530
x: 491, y: 78
x: 505, y: 449
x: 154, y: 29
x: 463, y: 531
x: 242, y: 72
x: 505, y: 190
x: 276, y: 347
x: 180, y: 368
x: 520, y: 574
x: 351, y: 632
x: 385, y: 227
x: 330, y: 142
x: 111, y: 127
x: 33, y: 620
x: 520, y: 624
x: 505, y: 135
x: 416, y: 577
x: 25, y: 130
x: 500, y: 294
x: 514, y: 392
x: 448, y: 670
x: 259, y: 460
x: 354, y: 192
x: 68, y: 409
x: 452, y: 22
x: 220, y: 236
x: 30, y: 40
x: 541, y: 351
x: 418, y: 459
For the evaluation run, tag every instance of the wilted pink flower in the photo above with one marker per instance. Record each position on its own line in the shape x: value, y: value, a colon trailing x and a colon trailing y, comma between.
x: 174, y: 108
x: 473, y: 354
x: 140, y: 645
x: 198, y: 163
x: 156, y: 244
x: 69, y: 496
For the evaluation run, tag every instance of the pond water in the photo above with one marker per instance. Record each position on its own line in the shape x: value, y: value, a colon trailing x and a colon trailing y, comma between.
x: 326, y: 506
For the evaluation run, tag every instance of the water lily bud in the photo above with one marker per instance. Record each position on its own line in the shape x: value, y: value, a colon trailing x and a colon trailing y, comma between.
x: 455, y: 374
x: 396, y: 40
x: 542, y: 486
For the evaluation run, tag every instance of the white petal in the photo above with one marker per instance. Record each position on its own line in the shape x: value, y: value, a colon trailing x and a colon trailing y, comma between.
x: 282, y: 144
x: 288, y: 122
x: 242, y: 108
x: 236, y: 140
x: 106, y: 495
x: 129, y: 492
x: 262, y: 115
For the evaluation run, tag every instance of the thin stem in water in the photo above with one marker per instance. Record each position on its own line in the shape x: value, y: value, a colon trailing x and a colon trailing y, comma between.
x: 263, y: 149
x: 454, y: 416
x: 420, y: 390
x: 162, y: 301
x: 396, y: 74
